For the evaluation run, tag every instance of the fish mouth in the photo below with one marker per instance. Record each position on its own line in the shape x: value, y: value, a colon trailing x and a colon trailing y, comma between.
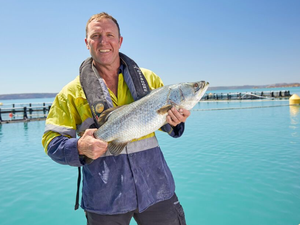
x: 206, y: 84
x: 203, y: 85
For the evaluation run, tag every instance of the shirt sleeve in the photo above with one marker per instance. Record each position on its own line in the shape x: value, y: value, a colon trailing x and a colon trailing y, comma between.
x: 65, y: 116
x: 174, y: 132
x: 63, y: 150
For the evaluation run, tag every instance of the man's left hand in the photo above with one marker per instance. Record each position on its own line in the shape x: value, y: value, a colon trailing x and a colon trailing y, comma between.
x: 176, y: 117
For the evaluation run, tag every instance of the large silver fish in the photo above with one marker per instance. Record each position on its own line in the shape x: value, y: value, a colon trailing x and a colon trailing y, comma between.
x: 120, y: 125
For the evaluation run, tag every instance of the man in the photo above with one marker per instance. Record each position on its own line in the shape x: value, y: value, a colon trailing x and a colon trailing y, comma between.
x: 137, y: 183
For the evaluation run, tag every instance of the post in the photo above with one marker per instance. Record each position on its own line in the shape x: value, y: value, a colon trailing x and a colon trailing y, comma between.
x: 25, y: 114
x: 228, y: 96
x: 44, y: 109
x: 30, y: 110
x: 0, y: 116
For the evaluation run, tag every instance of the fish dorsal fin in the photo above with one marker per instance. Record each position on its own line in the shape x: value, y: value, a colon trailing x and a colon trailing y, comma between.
x: 116, y: 148
x: 106, y: 114
x: 164, y: 109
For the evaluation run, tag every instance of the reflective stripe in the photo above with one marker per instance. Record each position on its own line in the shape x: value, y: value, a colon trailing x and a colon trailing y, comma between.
x: 61, y: 130
x: 137, y: 146
x: 85, y: 125
x: 141, y: 145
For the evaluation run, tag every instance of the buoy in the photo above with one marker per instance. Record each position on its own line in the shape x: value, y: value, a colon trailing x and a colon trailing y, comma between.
x: 295, y: 99
x: 1, y: 103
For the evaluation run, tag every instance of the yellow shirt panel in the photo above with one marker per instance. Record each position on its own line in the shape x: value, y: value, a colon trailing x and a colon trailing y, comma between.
x: 124, y: 95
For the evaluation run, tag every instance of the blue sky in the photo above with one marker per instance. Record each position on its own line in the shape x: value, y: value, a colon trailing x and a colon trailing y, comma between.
x: 225, y: 42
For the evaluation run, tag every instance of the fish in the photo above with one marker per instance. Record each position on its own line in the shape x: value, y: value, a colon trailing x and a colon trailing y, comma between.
x: 120, y: 125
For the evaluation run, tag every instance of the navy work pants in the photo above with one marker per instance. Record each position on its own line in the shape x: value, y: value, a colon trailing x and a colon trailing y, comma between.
x: 168, y: 212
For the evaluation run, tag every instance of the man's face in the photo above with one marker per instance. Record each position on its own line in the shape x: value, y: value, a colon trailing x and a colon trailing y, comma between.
x: 104, y: 42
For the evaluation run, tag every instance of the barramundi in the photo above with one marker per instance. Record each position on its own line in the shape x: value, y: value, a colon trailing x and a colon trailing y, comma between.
x: 120, y: 125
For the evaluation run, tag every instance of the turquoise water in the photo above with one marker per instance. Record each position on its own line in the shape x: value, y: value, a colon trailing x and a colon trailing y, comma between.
x: 237, y: 163
x: 239, y: 166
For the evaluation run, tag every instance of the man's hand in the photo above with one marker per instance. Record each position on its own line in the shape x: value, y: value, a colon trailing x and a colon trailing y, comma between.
x: 176, y: 117
x: 91, y: 147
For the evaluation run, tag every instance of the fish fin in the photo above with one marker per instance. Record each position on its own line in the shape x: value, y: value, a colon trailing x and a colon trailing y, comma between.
x: 164, y: 109
x: 116, y: 148
x: 106, y: 114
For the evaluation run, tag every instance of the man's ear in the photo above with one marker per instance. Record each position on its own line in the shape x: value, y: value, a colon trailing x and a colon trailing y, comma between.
x: 87, y: 44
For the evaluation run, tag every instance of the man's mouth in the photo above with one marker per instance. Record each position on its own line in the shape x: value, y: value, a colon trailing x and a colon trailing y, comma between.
x: 104, y: 50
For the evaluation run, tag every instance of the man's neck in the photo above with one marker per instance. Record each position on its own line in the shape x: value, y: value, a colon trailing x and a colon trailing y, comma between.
x: 110, y: 75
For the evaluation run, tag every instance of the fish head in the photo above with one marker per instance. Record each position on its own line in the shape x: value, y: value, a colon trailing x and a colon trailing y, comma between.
x: 187, y: 95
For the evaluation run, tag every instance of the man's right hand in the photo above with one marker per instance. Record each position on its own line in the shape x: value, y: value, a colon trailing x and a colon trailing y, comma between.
x: 91, y: 147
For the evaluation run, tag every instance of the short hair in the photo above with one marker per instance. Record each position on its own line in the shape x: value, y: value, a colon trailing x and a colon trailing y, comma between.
x: 100, y: 16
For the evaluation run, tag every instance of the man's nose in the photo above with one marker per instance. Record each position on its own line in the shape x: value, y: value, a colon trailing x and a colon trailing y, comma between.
x: 102, y: 39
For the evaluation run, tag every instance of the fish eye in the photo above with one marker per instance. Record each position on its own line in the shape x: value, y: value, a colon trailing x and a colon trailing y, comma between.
x: 196, y: 85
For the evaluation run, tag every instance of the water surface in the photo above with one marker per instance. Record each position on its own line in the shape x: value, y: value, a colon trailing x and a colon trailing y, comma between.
x: 237, y: 163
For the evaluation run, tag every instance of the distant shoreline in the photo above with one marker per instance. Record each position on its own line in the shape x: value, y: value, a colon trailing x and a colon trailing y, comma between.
x: 27, y: 96
x: 52, y: 95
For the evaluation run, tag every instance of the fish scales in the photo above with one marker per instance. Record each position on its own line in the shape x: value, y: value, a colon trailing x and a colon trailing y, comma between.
x: 141, y: 115
x: 148, y: 114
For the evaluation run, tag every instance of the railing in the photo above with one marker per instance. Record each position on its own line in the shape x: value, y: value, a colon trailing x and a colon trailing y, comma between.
x: 24, y: 112
x: 246, y: 95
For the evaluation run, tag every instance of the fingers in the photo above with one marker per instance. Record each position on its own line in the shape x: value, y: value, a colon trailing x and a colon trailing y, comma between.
x: 173, y: 117
x: 185, y: 112
x: 89, y: 132
x: 91, y: 147
x: 176, y: 117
